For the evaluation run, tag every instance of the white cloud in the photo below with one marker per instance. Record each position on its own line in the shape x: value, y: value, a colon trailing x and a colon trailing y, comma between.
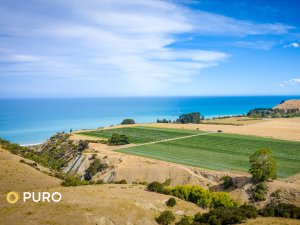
x: 211, y: 23
x: 295, y: 81
x: 116, y: 44
x: 20, y: 58
x: 292, y: 45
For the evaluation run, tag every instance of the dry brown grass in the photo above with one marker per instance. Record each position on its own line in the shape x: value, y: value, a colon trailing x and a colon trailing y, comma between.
x: 16, y: 176
x: 234, y: 121
x: 280, y: 128
x: 289, y: 104
x: 272, y: 221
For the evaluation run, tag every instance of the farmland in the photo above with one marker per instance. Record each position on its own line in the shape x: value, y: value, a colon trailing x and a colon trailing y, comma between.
x: 221, y: 152
x: 139, y: 135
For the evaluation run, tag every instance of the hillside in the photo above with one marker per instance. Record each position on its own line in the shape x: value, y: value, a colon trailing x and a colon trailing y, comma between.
x: 125, y: 204
x: 113, y: 203
x: 19, y: 176
x: 288, y: 105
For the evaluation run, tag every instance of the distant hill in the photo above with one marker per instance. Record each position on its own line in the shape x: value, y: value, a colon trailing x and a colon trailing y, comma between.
x: 288, y: 105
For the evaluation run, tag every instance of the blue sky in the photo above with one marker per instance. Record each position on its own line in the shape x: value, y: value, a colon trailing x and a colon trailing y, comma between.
x: 97, y: 48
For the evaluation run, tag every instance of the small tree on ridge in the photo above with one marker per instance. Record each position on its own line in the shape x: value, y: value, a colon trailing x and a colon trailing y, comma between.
x: 263, y: 166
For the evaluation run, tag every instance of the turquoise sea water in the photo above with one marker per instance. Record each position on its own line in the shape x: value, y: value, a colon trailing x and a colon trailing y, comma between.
x: 29, y: 121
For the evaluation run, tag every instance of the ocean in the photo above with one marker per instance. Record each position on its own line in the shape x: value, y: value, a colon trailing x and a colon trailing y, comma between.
x: 31, y: 121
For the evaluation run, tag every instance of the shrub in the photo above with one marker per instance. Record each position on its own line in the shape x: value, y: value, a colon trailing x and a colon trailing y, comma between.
x: 227, y: 215
x: 276, y: 194
x: 128, y: 121
x: 117, y: 139
x: 249, y: 211
x: 281, y: 210
x: 202, y: 197
x: 165, y: 218
x: 186, y: 220
x: 260, y: 192
x: 171, y: 202
x: 73, y: 181
x: 120, y: 182
x: 99, y: 182
x: 263, y: 166
x: 82, y: 145
x: 227, y: 182
x: 155, y: 187
x: 195, y: 194
x: 95, y: 167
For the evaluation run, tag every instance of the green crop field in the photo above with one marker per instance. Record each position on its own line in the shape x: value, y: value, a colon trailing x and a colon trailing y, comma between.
x: 222, y: 152
x: 138, y: 135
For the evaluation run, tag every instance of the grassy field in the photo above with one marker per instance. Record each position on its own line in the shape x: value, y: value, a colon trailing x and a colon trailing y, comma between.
x: 139, y: 135
x: 222, y: 152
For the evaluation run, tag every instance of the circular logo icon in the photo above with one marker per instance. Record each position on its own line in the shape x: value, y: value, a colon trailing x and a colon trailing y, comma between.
x: 12, y: 197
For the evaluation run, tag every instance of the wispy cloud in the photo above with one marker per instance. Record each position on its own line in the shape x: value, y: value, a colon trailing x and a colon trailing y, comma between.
x: 263, y: 45
x: 211, y: 23
x: 295, y: 81
x: 118, y: 46
x: 292, y: 45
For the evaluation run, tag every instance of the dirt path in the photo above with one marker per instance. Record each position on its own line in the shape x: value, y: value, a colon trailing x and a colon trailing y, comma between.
x: 187, y: 169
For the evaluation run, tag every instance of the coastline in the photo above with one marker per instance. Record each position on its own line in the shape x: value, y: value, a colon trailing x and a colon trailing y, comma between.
x: 32, y: 121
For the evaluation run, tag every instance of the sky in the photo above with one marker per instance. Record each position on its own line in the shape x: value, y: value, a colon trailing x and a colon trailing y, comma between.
x: 101, y: 48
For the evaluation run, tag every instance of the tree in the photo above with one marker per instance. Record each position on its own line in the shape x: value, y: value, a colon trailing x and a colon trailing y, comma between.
x: 263, y: 166
x: 165, y: 218
x: 171, y: 202
x: 95, y: 167
x: 118, y: 139
x: 128, y: 121
x: 155, y: 187
x: 189, y: 118
x: 227, y: 182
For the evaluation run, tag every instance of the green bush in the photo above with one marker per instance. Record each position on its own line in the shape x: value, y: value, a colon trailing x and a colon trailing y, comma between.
x: 128, y: 121
x: 249, y: 211
x: 227, y: 215
x: 118, y: 139
x: 276, y: 194
x: 120, y: 182
x: 186, y: 220
x: 73, y: 181
x: 195, y: 194
x: 82, y: 145
x: 99, y: 182
x: 281, y: 210
x: 95, y: 167
x: 171, y: 202
x: 165, y: 218
x: 202, y: 197
x: 227, y: 182
x: 155, y: 187
x: 260, y: 192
